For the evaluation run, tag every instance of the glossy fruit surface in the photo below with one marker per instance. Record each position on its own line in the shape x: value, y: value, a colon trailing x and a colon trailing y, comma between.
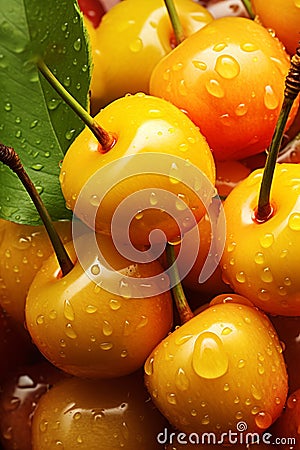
x: 206, y: 77
x: 19, y: 397
x: 223, y: 366
x: 157, y: 131
x: 283, y: 17
x: 92, y: 332
x: 93, y: 10
x: 97, y: 415
x: 23, y: 249
x: 260, y: 259
x: 138, y: 34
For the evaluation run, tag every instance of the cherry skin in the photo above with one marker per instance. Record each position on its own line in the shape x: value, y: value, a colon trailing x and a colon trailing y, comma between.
x: 94, y: 331
x: 283, y: 17
x: 206, y: 76
x: 151, y: 128
x: 23, y: 249
x: 260, y: 259
x: 19, y: 397
x: 228, y: 175
x: 97, y: 415
x: 93, y: 10
x: 136, y: 45
x: 223, y: 366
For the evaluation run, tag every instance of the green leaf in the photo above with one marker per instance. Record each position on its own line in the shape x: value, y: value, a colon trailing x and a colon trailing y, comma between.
x: 33, y: 118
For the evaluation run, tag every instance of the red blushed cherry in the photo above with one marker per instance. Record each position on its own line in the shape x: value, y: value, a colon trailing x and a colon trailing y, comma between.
x: 93, y: 10
x: 19, y: 396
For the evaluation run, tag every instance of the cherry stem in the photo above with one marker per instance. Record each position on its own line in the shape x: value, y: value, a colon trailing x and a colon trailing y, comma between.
x: 292, y: 89
x: 183, y: 308
x: 248, y: 8
x: 9, y: 157
x: 105, y: 139
x: 176, y: 24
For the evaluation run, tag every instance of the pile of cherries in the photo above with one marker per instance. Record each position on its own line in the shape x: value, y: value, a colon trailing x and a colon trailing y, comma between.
x: 102, y: 353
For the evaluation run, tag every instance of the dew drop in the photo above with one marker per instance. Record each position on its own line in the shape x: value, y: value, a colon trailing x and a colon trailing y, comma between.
x: 292, y: 401
x: 171, y: 398
x: 70, y: 332
x: 166, y: 75
x: 263, y: 420
x: 260, y: 369
x: 37, y: 167
x: 266, y: 240
x: 259, y: 258
x: 199, y: 65
x: 227, y: 67
x: 77, y: 45
x: 226, y: 331
x: 263, y: 295
x: 209, y: 357
x: 114, y: 304
x: 124, y: 353
x: 176, y: 67
x: 34, y: 123
x: 266, y: 275
x: 205, y: 420
x: 241, y: 109
x: 95, y: 269
x: 106, y: 345
x: 8, y: 106
x: 53, y: 104
x: 91, y: 309
x: 241, y: 277
x: 107, y: 329
x: 219, y: 47
x: 139, y: 215
x: 142, y: 323
x: 153, y: 199
x: 256, y: 393
x: 214, y: 88
x: 136, y: 46
x: 149, y: 366
x: 77, y: 415
x: 181, y: 380
x: 182, y: 89
x: 241, y: 363
x: 94, y: 200
x: 249, y: 47
x: 68, y: 310
x: 70, y: 134
x: 294, y: 222
x: 183, y: 339
x: 43, y: 426
x: 270, y: 99
x: 173, y: 174
x: 40, y: 319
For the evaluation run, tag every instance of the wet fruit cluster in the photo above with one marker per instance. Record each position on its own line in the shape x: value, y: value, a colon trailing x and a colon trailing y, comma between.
x: 165, y: 314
